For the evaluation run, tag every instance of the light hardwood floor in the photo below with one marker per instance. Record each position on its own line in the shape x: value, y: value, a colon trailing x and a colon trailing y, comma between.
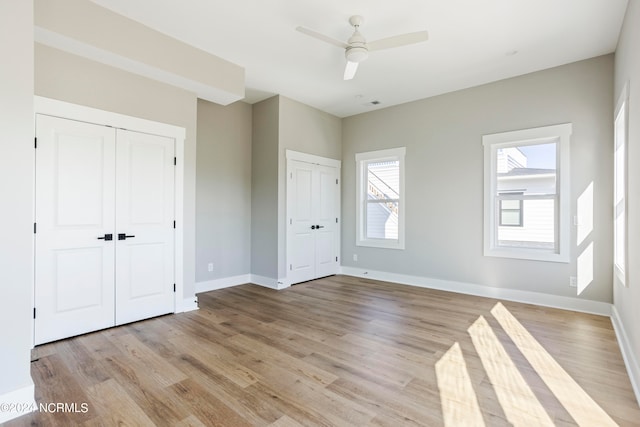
x: 341, y: 351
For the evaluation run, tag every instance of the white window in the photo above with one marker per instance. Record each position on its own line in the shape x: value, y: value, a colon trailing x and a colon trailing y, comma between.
x: 620, y: 188
x: 380, y: 198
x: 526, y: 194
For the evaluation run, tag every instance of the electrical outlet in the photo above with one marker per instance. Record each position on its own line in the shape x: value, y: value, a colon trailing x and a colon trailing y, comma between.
x: 355, y: 257
x: 210, y: 266
x: 573, y: 281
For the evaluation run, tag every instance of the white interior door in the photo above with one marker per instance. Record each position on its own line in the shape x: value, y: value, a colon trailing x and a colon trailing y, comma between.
x: 312, y: 208
x: 74, y: 269
x: 325, y: 196
x: 301, y: 242
x: 144, y: 223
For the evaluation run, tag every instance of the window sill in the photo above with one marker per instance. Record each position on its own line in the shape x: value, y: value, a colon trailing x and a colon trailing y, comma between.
x: 527, y: 254
x: 381, y: 243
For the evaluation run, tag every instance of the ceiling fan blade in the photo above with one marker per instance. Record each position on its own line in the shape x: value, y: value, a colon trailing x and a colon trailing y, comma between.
x: 400, y: 40
x: 350, y: 70
x: 322, y: 37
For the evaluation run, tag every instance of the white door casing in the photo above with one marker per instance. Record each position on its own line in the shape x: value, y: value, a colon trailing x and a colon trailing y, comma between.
x: 93, y: 181
x: 74, y: 270
x: 313, y: 207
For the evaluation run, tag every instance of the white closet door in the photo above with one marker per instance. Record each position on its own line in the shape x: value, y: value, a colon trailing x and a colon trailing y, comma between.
x: 74, y: 270
x: 312, y: 207
x: 326, y: 197
x: 145, y: 233
x: 301, y: 242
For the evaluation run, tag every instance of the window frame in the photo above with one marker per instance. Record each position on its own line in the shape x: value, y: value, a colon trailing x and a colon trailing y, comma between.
x: 362, y: 159
x: 559, y: 134
x: 621, y: 112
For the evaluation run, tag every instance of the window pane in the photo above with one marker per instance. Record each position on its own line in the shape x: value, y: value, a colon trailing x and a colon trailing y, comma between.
x: 510, y: 218
x: 538, y: 226
x: 383, y: 180
x: 511, y: 204
x: 527, y: 169
x: 382, y: 220
x: 383, y: 188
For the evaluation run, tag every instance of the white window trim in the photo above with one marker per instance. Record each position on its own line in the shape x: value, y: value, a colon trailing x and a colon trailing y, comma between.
x: 557, y: 133
x: 622, y: 106
x: 361, y: 198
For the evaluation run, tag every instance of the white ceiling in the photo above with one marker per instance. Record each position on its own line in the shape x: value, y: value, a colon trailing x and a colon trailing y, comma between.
x: 471, y: 42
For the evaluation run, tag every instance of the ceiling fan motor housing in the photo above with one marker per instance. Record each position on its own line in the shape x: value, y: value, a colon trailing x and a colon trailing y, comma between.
x: 357, y: 50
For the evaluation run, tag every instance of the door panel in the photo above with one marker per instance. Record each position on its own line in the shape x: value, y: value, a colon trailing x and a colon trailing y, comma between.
x: 74, y: 206
x: 144, y: 212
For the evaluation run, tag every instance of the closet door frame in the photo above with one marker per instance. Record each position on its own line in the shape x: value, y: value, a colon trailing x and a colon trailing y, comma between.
x: 314, y: 160
x: 66, y: 110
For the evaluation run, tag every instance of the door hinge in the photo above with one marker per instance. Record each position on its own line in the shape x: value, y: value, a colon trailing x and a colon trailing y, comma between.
x: 34, y: 228
x: 290, y: 267
x: 35, y: 142
x: 336, y: 180
x: 174, y: 287
x: 175, y: 161
x: 291, y: 175
x: 336, y: 220
x: 290, y: 221
x: 34, y: 312
x: 336, y: 259
x: 174, y: 223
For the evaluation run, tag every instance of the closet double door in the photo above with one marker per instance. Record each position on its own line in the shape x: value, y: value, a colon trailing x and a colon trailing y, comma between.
x: 313, y: 206
x: 104, y: 230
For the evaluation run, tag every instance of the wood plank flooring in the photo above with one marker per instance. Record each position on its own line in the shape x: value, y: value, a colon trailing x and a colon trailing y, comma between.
x: 340, y: 351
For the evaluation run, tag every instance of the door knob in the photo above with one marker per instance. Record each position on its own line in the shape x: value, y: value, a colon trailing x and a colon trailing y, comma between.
x: 319, y: 226
x: 106, y: 237
x: 123, y: 236
x: 313, y: 227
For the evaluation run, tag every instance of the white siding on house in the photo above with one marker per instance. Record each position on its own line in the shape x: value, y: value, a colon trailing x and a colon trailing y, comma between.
x: 537, y: 226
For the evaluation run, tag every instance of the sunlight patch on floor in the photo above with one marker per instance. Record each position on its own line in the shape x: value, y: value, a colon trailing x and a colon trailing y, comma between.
x: 584, y: 410
x: 458, y: 399
x: 520, y: 405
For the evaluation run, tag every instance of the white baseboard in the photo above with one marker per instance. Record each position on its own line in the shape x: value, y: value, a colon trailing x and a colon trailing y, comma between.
x: 546, y: 300
x: 22, y: 398
x: 630, y: 360
x: 188, y: 304
x: 225, y: 282
x: 268, y: 282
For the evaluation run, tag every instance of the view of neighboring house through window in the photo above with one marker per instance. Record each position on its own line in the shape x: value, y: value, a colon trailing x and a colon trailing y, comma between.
x: 524, y: 193
x: 380, y: 214
x: 620, y: 189
x: 526, y: 187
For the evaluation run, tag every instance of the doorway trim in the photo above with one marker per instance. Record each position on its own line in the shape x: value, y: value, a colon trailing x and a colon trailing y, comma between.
x: 66, y: 110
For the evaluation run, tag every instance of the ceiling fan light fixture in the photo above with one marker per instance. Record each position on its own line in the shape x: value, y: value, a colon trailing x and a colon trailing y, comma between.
x: 356, y: 53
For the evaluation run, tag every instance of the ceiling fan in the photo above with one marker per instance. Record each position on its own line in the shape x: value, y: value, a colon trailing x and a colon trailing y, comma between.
x: 356, y: 49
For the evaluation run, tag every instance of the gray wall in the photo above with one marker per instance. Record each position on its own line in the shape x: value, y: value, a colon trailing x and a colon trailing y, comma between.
x: 70, y: 78
x: 223, y: 190
x: 444, y: 176
x: 16, y: 185
x: 281, y: 124
x: 627, y: 300
x: 264, y: 188
x: 307, y: 130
